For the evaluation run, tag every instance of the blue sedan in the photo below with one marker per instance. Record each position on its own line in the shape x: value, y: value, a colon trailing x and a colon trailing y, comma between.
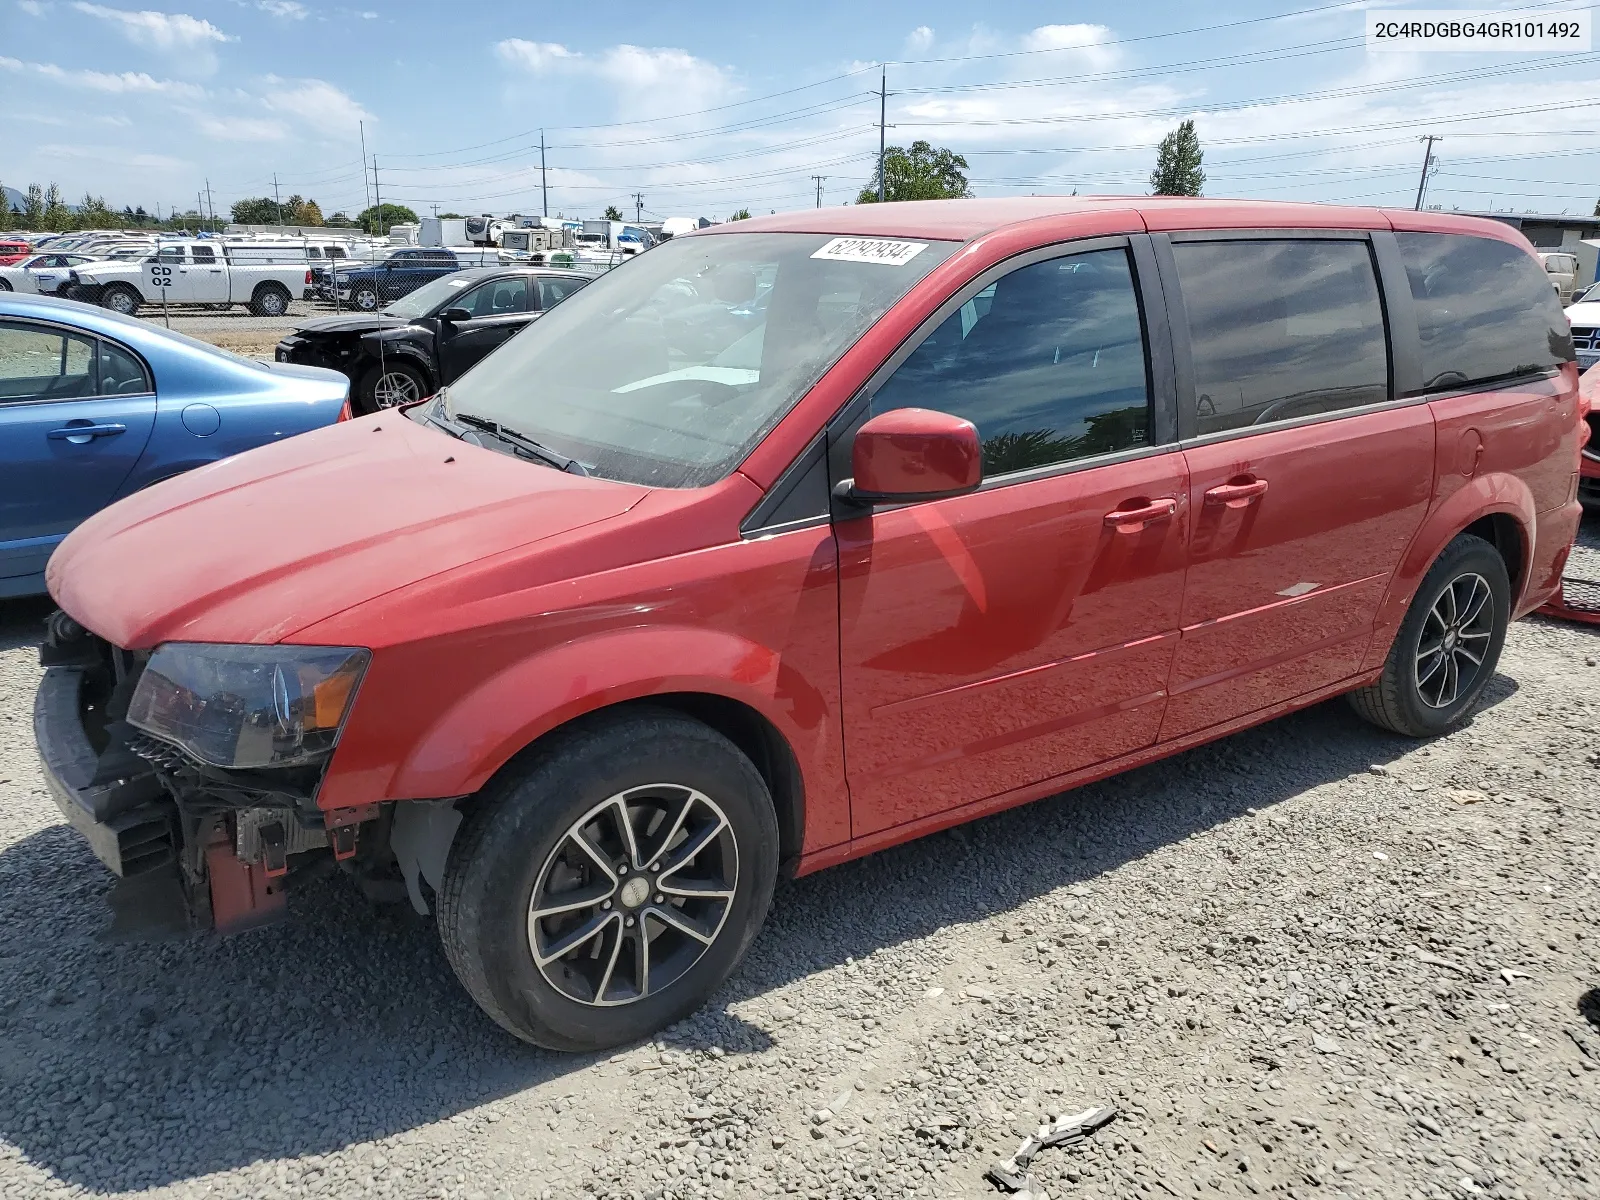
x: 94, y: 406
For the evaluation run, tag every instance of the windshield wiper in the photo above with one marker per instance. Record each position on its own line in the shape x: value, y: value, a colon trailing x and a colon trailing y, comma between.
x: 523, y: 442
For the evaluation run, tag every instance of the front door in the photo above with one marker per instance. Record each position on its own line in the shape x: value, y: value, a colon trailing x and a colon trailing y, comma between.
x: 1004, y: 638
x: 1306, y: 481
x: 207, y: 275
x: 65, y: 449
x: 166, y: 277
x: 500, y: 309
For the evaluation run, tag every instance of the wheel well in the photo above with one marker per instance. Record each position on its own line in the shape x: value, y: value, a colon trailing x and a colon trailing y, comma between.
x: 269, y: 285
x: 756, y: 737
x: 1502, y: 532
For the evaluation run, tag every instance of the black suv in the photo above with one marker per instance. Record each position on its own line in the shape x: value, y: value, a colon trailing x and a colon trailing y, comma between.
x: 425, y: 340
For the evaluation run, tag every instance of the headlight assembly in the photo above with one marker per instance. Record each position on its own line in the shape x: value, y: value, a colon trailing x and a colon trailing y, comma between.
x: 248, y: 706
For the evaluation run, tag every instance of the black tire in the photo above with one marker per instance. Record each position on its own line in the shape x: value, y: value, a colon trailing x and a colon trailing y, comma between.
x: 269, y: 300
x: 365, y: 298
x: 120, y: 298
x: 402, y: 383
x: 514, y: 836
x: 4, y: 286
x: 1410, y: 697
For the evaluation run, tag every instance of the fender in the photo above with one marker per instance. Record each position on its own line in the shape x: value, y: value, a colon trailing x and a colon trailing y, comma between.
x: 491, y: 723
x: 398, y: 347
x: 1482, y: 496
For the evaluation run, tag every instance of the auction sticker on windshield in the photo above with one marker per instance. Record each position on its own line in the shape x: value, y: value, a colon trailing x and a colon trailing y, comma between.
x: 871, y: 250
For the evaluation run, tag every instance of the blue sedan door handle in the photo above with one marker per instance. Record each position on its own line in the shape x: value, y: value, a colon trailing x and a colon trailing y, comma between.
x: 80, y: 433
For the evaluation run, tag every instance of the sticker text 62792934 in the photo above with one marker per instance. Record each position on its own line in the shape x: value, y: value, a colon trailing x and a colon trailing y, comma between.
x: 885, y: 251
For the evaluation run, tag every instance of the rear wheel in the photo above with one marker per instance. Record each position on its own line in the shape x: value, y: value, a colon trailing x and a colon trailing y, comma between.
x: 120, y: 298
x: 608, y: 887
x: 390, y: 385
x: 365, y: 298
x: 4, y: 286
x: 1448, y: 644
x: 270, y: 300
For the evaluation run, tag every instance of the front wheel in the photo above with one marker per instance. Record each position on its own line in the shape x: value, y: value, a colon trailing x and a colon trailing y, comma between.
x: 1448, y: 644
x: 609, y: 886
x: 390, y: 385
x: 121, y: 299
x: 365, y: 298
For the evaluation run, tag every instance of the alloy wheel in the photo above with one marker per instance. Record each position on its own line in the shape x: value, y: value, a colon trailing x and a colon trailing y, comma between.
x: 1455, y: 639
x: 120, y: 302
x: 633, y: 894
x: 395, y: 388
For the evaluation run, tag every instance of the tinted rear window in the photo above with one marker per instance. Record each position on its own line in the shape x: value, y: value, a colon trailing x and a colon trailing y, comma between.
x: 1281, y: 329
x: 1485, y: 310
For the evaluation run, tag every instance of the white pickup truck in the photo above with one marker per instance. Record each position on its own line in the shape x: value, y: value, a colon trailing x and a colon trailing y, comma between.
x: 199, y: 272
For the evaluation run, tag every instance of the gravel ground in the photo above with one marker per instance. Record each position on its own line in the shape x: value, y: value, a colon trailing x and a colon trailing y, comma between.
x: 237, y: 329
x: 1311, y: 960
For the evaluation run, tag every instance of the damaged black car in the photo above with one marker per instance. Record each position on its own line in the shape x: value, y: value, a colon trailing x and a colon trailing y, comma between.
x: 426, y: 340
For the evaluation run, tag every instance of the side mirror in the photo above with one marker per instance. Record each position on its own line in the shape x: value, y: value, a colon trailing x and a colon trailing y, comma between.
x: 914, y: 454
x: 454, y: 316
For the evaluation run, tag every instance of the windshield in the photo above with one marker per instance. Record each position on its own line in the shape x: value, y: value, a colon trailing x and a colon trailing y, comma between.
x: 669, y: 370
x: 427, y: 297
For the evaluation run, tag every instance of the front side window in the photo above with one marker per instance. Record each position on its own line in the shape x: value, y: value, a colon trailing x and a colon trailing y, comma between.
x: 497, y: 298
x: 1048, y: 363
x: 169, y: 254
x: 1484, y: 310
x: 44, y: 364
x: 667, y: 371
x: 1281, y: 329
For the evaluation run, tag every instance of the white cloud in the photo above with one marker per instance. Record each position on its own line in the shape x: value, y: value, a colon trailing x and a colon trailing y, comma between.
x: 158, y: 30
x: 241, y: 129
x: 316, y: 103
x: 919, y: 39
x: 1062, y: 37
x: 287, y: 9
x: 32, y: 7
x: 117, y: 156
x: 534, y: 56
x: 116, y: 83
x: 644, y: 79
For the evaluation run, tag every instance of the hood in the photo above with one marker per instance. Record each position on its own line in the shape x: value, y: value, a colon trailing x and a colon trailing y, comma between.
x: 350, y: 323
x: 1586, y: 313
x: 258, y: 546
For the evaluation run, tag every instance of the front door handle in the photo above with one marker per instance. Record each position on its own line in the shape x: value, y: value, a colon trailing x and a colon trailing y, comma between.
x: 1237, y: 495
x: 79, y: 435
x: 1132, y: 520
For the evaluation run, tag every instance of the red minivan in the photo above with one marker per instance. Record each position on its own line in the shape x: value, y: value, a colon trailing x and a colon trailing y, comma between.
x: 793, y: 539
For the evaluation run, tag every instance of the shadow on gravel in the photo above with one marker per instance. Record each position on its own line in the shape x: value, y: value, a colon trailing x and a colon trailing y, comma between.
x: 127, y: 1066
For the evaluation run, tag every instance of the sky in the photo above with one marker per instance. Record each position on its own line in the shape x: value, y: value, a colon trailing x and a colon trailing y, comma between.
x: 704, y: 110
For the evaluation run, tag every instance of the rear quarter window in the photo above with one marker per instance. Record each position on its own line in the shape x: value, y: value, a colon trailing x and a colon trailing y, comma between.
x: 1485, y: 310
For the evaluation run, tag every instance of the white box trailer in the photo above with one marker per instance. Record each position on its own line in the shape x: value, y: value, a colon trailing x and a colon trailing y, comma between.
x: 446, y: 232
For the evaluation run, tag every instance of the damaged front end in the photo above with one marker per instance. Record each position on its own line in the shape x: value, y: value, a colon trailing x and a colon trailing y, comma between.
x: 193, y: 771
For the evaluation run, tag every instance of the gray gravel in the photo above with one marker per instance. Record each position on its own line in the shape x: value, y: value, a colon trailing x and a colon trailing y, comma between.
x: 235, y: 320
x: 1311, y: 960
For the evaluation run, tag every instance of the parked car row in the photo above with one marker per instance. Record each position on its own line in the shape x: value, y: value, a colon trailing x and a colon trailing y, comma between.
x: 796, y: 539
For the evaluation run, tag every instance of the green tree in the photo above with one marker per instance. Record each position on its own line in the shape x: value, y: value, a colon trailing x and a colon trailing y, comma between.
x: 95, y: 213
x: 1178, y: 159
x: 57, y: 216
x: 5, y: 210
x: 451, y: 216
x: 920, y: 173
x: 613, y: 213
x: 255, y: 210
x: 341, y: 219
x: 742, y: 215
x: 33, y: 208
x: 382, y: 218
x: 1597, y: 208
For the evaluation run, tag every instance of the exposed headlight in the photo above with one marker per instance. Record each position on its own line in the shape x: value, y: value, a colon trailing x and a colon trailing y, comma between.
x: 248, y: 706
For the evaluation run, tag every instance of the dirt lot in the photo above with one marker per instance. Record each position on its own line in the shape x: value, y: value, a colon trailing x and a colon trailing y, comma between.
x: 236, y: 329
x: 1311, y: 960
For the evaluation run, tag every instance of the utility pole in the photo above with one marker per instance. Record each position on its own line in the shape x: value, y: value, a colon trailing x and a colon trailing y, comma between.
x: 377, y: 199
x: 1427, y: 163
x: 362, y: 125
x: 277, y: 203
x: 200, y: 209
x: 819, y: 179
x: 883, y: 108
x: 638, y: 208
x: 544, y: 180
x: 211, y: 206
